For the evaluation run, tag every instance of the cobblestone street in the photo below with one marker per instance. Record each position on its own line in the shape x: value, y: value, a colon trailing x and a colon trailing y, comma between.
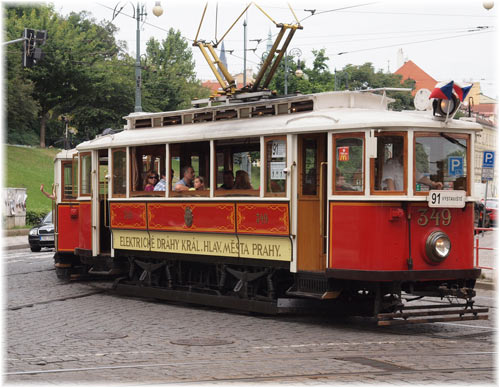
x: 60, y: 333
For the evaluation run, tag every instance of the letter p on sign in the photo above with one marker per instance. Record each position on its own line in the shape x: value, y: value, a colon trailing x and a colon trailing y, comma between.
x: 489, y: 159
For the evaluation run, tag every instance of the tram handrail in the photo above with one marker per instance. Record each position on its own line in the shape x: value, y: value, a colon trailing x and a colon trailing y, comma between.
x: 477, y: 247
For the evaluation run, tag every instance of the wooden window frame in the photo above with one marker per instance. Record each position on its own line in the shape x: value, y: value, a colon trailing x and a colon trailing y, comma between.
x: 335, y: 137
x: 404, y: 134
x: 113, y: 150
x: 80, y: 167
x: 234, y: 192
x: 321, y: 154
x: 189, y: 193
x: 464, y: 136
x: 63, y: 182
x: 143, y: 193
x: 266, y: 140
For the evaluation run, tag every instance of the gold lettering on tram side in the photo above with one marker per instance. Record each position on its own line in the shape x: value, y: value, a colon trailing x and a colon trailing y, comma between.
x: 251, y: 247
x: 438, y: 216
x: 262, y: 218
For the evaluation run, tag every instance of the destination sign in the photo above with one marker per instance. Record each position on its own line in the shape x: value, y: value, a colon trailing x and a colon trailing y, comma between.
x: 227, y: 245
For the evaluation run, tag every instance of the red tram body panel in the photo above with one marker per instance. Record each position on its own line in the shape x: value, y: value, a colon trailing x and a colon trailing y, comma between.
x: 68, y: 222
x: 355, y: 246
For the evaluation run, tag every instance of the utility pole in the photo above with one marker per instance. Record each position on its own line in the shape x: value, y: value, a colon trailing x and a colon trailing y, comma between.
x: 245, y: 51
x: 138, y: 80
x: 139, y: 12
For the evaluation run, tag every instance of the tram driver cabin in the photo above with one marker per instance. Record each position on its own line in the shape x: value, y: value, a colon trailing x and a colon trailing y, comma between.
x: 316, y: 204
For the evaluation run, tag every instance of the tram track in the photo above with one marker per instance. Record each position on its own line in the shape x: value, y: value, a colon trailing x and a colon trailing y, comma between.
x: 61, y: 299
x: 384, y: 367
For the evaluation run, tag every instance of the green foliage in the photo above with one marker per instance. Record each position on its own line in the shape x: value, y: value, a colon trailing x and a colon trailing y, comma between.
x: 319, y: 79
x: 169, y: 77
x: 29, y: 167
x: 33, y: 217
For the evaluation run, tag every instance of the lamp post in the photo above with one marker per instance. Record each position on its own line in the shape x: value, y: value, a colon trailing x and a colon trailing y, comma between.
x: 295, y: 52
x: 139, y: 15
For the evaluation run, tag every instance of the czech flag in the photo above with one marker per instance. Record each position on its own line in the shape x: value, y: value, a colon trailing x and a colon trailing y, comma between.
x: 461, y: 90
x: 442, y: 90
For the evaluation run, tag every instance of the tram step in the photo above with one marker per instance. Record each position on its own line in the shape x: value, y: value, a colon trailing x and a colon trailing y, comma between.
x: 112, y: 271
x: 313, y: 295
x: 432, y: 314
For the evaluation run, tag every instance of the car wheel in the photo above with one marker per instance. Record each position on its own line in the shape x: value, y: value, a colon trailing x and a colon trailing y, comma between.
x: 35, y: 248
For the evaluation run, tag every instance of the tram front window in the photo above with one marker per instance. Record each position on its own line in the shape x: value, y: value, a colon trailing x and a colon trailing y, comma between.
x: 390, y: 165
x: 440, y: 162
x: 238, y: 167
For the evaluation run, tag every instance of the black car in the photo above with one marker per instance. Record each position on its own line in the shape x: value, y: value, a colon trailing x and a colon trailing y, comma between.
x: 42, y: 235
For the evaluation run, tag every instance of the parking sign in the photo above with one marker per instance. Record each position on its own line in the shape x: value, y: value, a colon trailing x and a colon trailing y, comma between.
x: 489, y: 159
x: 456, y: 166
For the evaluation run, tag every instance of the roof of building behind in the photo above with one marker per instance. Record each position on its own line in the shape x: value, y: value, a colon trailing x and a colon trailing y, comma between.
x: 422, y: 79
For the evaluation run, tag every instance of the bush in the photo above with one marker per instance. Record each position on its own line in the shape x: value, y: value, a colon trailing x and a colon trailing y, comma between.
x: 33, y: 217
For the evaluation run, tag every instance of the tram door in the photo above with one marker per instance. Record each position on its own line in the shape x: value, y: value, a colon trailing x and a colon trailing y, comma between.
x: 104, y: 231
x: 311, y: 202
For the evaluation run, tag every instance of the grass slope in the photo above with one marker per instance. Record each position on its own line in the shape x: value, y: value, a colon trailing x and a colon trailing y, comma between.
x: 29, y: 167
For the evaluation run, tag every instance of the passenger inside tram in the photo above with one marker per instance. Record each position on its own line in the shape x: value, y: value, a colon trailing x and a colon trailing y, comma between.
x: 393, y: 173
x: 186, y: 182
x: 150, y: 181
x: 199, y: 183
x: 228, y: 179
x: 242, y: 181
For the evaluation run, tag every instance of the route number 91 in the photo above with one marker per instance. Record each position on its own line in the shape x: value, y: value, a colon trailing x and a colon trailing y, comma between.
x: 438, y: 216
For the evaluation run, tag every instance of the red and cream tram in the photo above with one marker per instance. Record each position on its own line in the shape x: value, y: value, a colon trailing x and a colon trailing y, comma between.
x: 336, y: 199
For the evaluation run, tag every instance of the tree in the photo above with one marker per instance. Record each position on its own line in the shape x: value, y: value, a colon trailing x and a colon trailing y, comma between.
x: 169, y: 78
x: 319, y: 79
x: 77, y: 63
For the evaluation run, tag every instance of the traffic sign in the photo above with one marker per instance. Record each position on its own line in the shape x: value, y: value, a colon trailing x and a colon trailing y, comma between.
x: 489, y: 159
x: 487, y: 173
x: 456, y: 166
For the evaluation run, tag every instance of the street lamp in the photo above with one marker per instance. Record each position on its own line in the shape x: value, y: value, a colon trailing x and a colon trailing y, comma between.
x: 488, y: 4
x: 139, y: 15
x: 295, y: 52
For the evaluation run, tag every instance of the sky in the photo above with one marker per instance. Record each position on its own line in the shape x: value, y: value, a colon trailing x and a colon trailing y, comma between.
x: 448, y: 39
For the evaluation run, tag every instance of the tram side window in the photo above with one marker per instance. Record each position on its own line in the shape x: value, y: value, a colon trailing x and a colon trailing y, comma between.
x: 390, y: 166
x: 275, y: 165
x: 440, y: 162
x: 190, y: 169
x: 238, y: 167
x: 119, y: 178
x: 85, y: 174
x: 70, y: 189
x: 147, y: 164
x: 349, y: 163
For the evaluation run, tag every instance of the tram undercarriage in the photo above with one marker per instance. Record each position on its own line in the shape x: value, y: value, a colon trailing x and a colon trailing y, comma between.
x: 221, y: 282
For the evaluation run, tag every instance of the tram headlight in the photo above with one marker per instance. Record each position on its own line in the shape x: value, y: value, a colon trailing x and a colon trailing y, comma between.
x: 437, y: 247
x: 443, y: 108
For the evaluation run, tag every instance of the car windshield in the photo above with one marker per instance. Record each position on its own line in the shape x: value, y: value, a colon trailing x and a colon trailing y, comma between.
x: 47, y: 219
x: 492, y: 204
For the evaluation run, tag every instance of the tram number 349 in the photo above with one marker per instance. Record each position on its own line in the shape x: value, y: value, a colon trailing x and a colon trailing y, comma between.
x: 439, y: 216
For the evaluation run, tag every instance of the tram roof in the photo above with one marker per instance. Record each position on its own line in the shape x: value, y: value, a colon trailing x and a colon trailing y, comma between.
x: 332, y: 111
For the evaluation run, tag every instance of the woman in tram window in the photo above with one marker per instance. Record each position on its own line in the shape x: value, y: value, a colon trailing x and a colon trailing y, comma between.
x: 242, y: 181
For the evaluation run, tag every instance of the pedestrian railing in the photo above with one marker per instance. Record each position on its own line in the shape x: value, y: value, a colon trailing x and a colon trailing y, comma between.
x: 477, y: 233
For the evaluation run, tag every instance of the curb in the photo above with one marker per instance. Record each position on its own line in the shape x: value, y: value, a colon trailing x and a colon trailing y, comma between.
x: 19, y: 246
x: 16, y: 232
x: 485, y: 285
